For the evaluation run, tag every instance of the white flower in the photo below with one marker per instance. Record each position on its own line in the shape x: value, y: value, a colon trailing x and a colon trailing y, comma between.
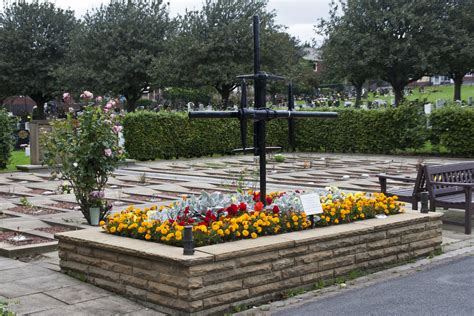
x: 75, y: 164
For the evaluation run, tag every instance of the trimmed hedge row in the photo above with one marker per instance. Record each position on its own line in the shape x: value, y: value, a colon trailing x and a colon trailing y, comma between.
x: 150, y: 135
x: 453, y: 128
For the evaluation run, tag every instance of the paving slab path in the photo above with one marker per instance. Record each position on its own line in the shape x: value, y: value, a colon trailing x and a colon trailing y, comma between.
x: 36, y: 288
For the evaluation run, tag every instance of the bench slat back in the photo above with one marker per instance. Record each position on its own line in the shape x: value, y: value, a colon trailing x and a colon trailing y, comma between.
x: 454, y: 173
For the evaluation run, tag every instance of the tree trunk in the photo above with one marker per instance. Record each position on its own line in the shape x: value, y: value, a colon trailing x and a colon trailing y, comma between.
x: 458, y: 80
x: 398, y: 90
x: 358, y: 89
x: 225, y: 90
x: 225, y: 94
x: 132, y: 99
x: 40, y: 100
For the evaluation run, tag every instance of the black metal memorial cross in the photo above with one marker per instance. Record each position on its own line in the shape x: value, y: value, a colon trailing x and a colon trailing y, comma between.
x: 260, y: 114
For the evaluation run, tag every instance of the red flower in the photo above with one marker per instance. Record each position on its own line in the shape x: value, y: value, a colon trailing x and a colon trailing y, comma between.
x: 269, y: 200
x: 242, y: 206
x: 258, y: 206
x: 276, y: 209
x: 232, y: 209
x: 190, y: 221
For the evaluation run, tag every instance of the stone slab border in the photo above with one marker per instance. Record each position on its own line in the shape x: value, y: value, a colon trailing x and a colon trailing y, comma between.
x: 248, y: 271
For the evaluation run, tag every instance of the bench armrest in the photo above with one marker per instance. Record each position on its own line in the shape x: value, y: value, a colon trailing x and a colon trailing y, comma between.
x: 398, y: 178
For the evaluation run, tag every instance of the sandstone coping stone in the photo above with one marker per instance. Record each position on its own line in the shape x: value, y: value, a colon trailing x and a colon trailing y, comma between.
x: 98, y: 239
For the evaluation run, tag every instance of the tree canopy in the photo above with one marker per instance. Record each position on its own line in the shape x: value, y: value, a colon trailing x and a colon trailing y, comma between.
x: 457, y: 45
x: 399, y: 39
x: 34, y: 38
x: 215, y: 44
x: 114, y: 47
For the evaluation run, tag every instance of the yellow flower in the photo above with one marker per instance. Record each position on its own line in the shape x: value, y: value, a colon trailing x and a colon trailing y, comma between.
x: 112, y: 229
x: 101, y: 223
x: 253, y: 235
x: 164, y: 231
x: 245, y: 233
x: 147, y: 236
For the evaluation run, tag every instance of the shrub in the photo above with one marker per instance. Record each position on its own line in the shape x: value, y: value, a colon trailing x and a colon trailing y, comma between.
x: 6, y: 138
x: 169, y: 135
x: 166, y: 135
x: 181, y: 96
x: 85, y: 151
x: 453, y: 127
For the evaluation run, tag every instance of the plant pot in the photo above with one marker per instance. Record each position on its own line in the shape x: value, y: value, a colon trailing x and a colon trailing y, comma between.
x: 94, y: 215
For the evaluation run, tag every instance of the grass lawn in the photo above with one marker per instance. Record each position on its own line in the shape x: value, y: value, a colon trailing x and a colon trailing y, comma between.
x: 18, y: 158
x: 432, y: 94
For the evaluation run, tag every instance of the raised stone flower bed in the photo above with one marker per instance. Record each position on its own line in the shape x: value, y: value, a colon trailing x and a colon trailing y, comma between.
x: 247, y: 271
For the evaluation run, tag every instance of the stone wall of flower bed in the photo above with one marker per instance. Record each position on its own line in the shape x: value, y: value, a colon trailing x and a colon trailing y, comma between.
x: 247, y: 271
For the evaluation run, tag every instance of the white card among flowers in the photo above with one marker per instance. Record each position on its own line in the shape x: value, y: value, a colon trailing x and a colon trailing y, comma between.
x: 311, y: 203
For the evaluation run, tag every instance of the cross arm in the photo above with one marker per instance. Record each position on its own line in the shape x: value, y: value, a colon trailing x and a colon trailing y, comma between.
x: 260, y: 114
x: 262, y: 75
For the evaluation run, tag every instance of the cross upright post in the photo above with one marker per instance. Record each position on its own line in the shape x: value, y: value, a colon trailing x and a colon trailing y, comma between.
x: 260, y: 114
x: 291, y: 122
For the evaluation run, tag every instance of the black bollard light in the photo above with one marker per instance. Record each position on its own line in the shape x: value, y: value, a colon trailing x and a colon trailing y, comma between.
x: 188, y: 242
x: 424, y: 202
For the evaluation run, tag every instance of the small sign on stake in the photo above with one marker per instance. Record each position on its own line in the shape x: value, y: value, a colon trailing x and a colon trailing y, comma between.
x: 311, y: 204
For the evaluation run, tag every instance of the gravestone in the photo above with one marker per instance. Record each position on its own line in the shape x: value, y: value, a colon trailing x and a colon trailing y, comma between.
x: 428, y: 107
x: 469, y: 101
x: 36, y: 150
x: 439, y: 103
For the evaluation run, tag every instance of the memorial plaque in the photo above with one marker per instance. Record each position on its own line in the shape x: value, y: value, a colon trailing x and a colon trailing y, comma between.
x: 311, y: 204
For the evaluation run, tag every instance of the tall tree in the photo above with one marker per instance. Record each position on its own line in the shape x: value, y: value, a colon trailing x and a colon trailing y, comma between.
x: 458, y: 45
x: 401, y: 36
x: 115, y: 46
x: 34, y: 38
x: 215, y: 44
x: 347, y: 53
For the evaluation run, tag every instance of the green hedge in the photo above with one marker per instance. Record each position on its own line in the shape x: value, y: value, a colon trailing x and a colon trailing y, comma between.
x: 453, y: 128
x: 150, y: 135
x: 6, y: 138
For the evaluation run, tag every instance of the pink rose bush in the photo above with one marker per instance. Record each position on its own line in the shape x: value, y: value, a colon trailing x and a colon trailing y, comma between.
x: 85, y: 150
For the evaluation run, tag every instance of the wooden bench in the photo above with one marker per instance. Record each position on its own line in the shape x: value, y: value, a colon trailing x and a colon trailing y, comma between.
x: 409, y: 195
x: 450, y: 186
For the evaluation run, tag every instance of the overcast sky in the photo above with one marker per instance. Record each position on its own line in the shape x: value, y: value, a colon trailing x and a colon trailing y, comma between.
x: 299, y: 16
